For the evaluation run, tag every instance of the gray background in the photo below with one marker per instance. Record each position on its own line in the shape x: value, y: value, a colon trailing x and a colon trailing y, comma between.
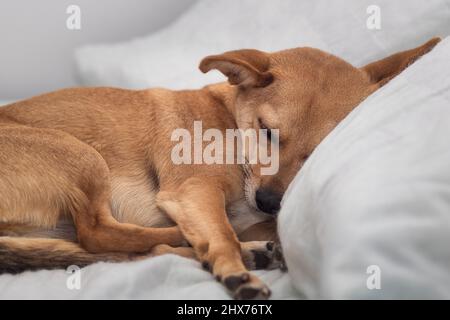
x: 36, y: 48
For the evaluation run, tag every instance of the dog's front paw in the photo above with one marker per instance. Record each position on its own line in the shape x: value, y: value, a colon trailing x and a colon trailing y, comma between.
x: 278, y: 256
x: 245, y: 286
x: 262, y: 255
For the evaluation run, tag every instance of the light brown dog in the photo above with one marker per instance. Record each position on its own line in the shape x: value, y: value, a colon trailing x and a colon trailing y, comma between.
x: 86, y: 174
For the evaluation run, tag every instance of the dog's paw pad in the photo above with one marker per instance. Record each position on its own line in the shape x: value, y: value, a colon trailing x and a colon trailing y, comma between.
x: 261, y: 259
x: 278, y: 256
x: 233, y: 282
x: 259, y: 255
x: 206, y: 266
x: 252, y: 292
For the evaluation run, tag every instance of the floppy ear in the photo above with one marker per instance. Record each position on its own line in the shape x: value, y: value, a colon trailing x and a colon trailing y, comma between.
x: 382, y: 71
x: 247, y: 68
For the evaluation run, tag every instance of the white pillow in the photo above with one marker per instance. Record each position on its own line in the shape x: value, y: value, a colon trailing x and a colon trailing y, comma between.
x: 376, y: 191
x: 169, y: 58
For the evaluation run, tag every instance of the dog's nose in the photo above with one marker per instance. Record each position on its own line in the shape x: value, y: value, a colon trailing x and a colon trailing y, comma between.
x: 268, y: 201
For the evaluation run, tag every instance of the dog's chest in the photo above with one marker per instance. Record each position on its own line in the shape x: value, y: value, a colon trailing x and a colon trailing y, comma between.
x: 242, y: 215
x: 133, y: 201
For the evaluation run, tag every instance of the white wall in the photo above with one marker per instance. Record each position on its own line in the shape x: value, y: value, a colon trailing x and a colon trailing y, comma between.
x: 36, y: 48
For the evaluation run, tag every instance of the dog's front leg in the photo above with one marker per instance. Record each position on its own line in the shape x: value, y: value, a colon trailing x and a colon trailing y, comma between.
x: 198, y: 207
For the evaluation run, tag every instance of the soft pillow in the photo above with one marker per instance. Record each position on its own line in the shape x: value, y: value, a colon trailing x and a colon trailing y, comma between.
x: 375, y: 195
x: 169, y: 58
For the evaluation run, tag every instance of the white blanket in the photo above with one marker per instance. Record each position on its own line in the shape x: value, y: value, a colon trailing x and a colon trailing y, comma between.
x: 164, y: 277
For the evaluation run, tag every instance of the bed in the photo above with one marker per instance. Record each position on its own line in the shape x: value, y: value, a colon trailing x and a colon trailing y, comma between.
x: 369, y: 214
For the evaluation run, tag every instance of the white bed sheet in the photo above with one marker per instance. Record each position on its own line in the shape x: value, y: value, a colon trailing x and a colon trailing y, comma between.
x: 163, y: 277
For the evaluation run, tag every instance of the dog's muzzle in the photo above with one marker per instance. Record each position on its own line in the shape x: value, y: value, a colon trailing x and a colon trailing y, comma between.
x: 268, y: 201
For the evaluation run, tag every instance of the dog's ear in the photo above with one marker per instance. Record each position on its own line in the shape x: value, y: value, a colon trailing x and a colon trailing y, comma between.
x: 246, y: 68
x: 382, y: 71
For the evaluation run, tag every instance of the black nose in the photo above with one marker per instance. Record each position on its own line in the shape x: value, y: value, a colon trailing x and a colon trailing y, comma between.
x: 268, y: 201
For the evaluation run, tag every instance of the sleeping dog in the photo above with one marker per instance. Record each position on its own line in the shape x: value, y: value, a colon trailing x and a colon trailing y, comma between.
x: 86, y: 174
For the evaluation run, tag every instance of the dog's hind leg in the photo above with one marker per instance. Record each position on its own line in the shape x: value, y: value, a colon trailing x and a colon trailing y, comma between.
x: 46, y: 174
x: 98, y: 231
x: 161, y: 249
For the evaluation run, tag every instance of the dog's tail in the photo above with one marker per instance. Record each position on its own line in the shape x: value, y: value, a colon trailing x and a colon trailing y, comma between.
x: 22, y: 254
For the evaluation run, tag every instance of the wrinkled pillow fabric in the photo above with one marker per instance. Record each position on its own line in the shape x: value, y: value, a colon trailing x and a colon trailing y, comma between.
x: 170, y: 57
x: 373, y: 200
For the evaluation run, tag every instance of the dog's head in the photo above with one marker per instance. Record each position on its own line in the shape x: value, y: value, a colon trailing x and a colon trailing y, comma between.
x: 302, y: 92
